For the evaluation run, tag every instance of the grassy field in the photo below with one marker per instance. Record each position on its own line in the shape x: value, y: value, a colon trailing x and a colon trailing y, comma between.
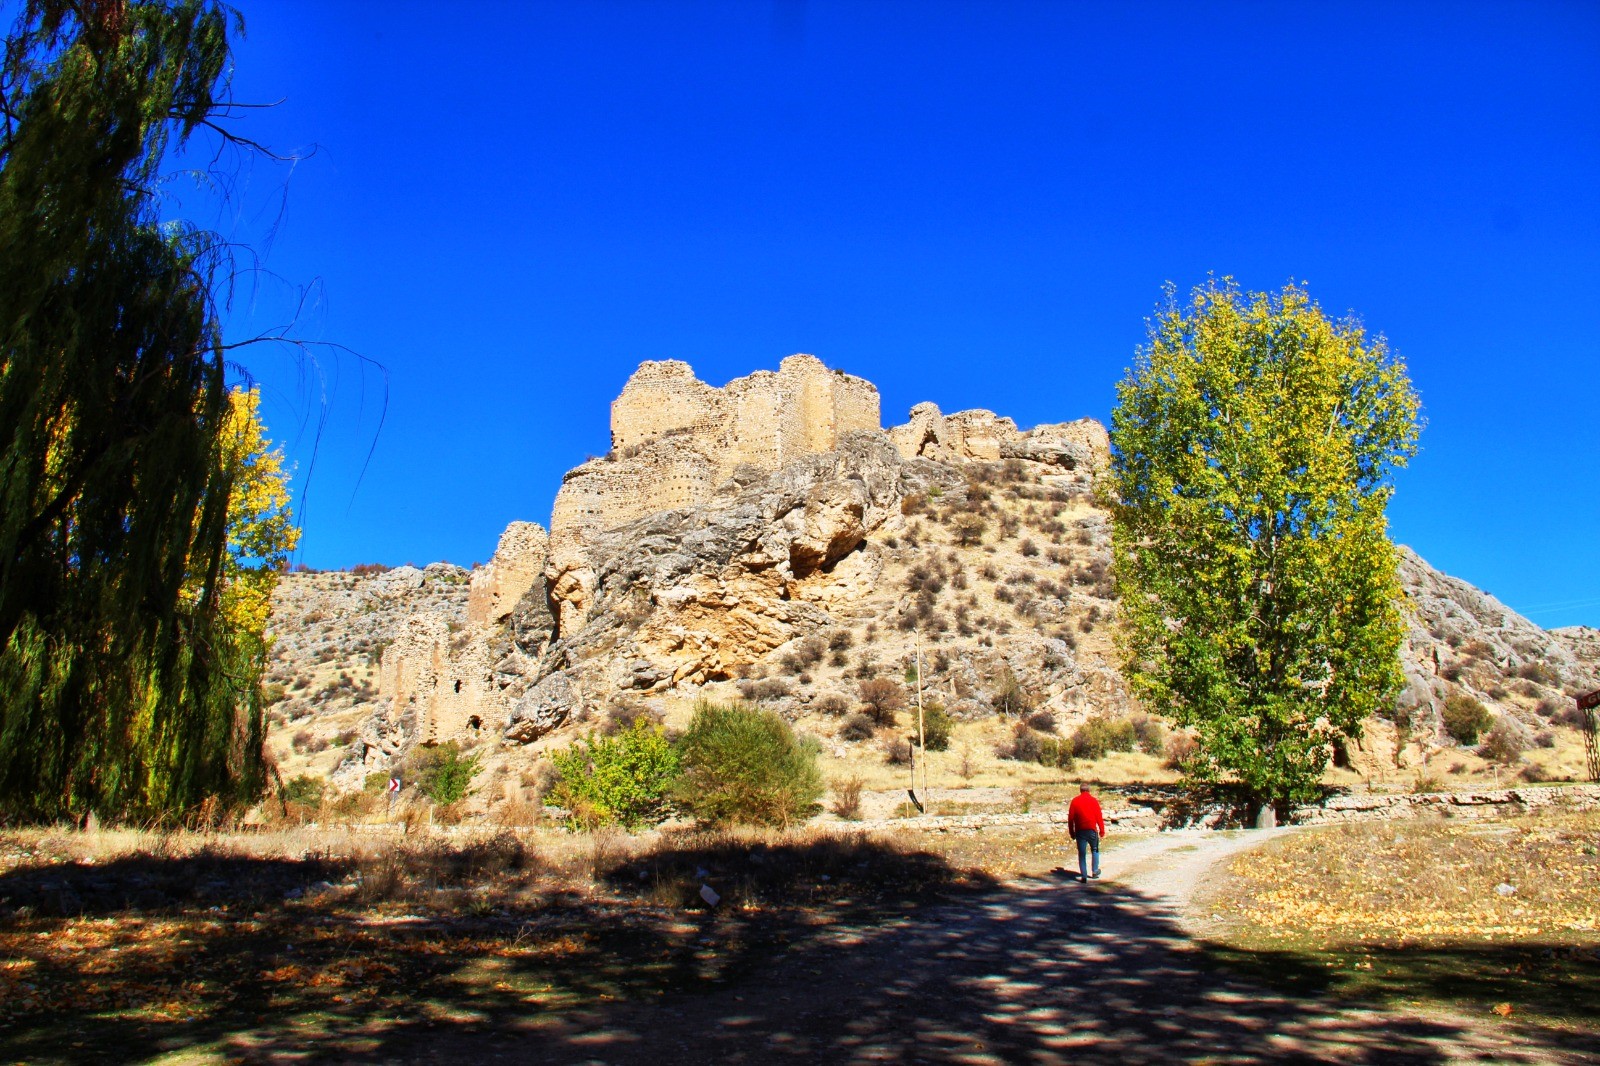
x: 1499, y: 916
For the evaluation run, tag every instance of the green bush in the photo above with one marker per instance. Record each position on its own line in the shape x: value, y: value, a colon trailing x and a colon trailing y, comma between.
x: 1465, y: 718
x: 1098, y: 737
x: 937, y: 726
x: 443, y: 774
x: 625, y: 779
x: 1053, y: 751
x: 744, y: 766
x: 305, y: 790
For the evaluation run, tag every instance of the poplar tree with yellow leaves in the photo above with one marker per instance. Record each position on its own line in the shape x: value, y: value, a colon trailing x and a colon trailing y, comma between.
x: 141, y: 513
x: 1253, y: 445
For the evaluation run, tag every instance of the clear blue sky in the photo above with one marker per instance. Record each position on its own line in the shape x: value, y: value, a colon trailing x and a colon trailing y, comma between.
x: 976, y: 204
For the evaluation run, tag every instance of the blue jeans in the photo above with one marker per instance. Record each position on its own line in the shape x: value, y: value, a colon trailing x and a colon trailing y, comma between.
x: 1088, y: 840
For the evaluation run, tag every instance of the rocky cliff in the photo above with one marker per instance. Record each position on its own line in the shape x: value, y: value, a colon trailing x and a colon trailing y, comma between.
x: 809, y: 551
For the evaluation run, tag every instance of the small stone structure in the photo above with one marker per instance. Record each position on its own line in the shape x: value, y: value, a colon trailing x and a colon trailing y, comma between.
x: 517, y: 564
x: 438, y: 688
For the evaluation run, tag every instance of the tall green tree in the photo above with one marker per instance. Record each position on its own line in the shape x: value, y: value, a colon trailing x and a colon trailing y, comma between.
x: 1252, y: 449
x: 123, y: 689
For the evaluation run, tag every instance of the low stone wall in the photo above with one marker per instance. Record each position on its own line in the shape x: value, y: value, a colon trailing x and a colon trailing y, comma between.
x: 1479, y: 803
x: 1482, y: 803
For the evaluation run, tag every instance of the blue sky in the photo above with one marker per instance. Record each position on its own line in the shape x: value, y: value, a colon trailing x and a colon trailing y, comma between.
x: 511, y: 205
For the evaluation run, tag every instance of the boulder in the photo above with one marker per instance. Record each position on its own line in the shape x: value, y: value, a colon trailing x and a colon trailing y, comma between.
x: 541, y: 709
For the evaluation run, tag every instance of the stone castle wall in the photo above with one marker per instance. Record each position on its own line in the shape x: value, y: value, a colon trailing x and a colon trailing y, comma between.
x: 446, y: 690
x: 675, y: 439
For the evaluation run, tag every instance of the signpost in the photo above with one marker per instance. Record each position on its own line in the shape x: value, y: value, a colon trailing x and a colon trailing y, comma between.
x: 394, y: 790
x: 1587, y: 703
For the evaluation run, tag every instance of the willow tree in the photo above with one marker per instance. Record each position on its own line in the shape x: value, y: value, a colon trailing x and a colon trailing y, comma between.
x: 1252, y: 450
x: 124, y: 690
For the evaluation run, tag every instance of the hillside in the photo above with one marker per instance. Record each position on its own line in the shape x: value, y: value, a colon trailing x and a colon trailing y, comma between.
x: 790, y: 558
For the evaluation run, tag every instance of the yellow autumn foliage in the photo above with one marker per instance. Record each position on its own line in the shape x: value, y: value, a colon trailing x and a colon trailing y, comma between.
x: 261, y: 528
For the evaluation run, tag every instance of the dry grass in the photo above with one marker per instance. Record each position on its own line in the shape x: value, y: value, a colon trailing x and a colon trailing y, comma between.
x: 1407, y: 915
x: 120, y: 945
x: 1423, y: 881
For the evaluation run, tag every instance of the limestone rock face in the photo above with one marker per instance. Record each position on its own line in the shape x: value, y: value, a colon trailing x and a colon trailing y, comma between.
x: 675, y: 440
x: 696, y: 592
x: 1461, y: 639
x: 518, y: 563
x: 541, y: 709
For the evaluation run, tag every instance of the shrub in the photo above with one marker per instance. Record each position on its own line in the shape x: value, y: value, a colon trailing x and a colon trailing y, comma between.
x: 1011, y: 697
x: 847, y: 798
x: 968, y: 529
x: 1464, y: 718
x: 882, y: 697
x: 936, y: 726
x: 1505, y: 743
x: 1024, y: 746
x: 1180, y: 751
x: 1098, y: 737
x: 443, y: 774
x: 769, y: 688
x: 858, y: 727
x: 1053, y: 751
x: 1149, y: 735
x: 744, y: 766
x: 624, y: 779
x: 831, y: 703
x: 896, y: 750
x: 1540, y: 673
x: 305, y: 790
x: 1569, y: 715
x: 1043, y: 721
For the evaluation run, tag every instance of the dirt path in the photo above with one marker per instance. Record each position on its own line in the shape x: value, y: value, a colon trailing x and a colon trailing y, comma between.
x: 1041, y: 970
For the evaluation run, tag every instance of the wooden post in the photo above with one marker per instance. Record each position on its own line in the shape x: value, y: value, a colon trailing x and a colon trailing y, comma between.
x: 922, y: 734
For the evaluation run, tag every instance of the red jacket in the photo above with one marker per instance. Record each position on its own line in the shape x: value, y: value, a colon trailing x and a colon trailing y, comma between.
x: 1084, y: 813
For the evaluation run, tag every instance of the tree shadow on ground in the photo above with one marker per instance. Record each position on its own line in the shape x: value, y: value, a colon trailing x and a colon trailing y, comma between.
x: 831, y: 950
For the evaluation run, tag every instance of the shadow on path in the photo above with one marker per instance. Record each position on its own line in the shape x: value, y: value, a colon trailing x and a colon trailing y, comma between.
x: 1043, y: 970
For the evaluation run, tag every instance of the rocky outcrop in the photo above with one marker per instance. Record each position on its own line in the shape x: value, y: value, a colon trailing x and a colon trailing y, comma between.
x: 1080, y: 446
x: 744, y: 534
x: 696, y: 593
x: 1460, y: 639
x: 676, y: 440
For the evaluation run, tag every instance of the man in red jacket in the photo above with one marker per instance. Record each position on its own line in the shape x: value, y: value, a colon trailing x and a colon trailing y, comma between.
x: 1087, y: 825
